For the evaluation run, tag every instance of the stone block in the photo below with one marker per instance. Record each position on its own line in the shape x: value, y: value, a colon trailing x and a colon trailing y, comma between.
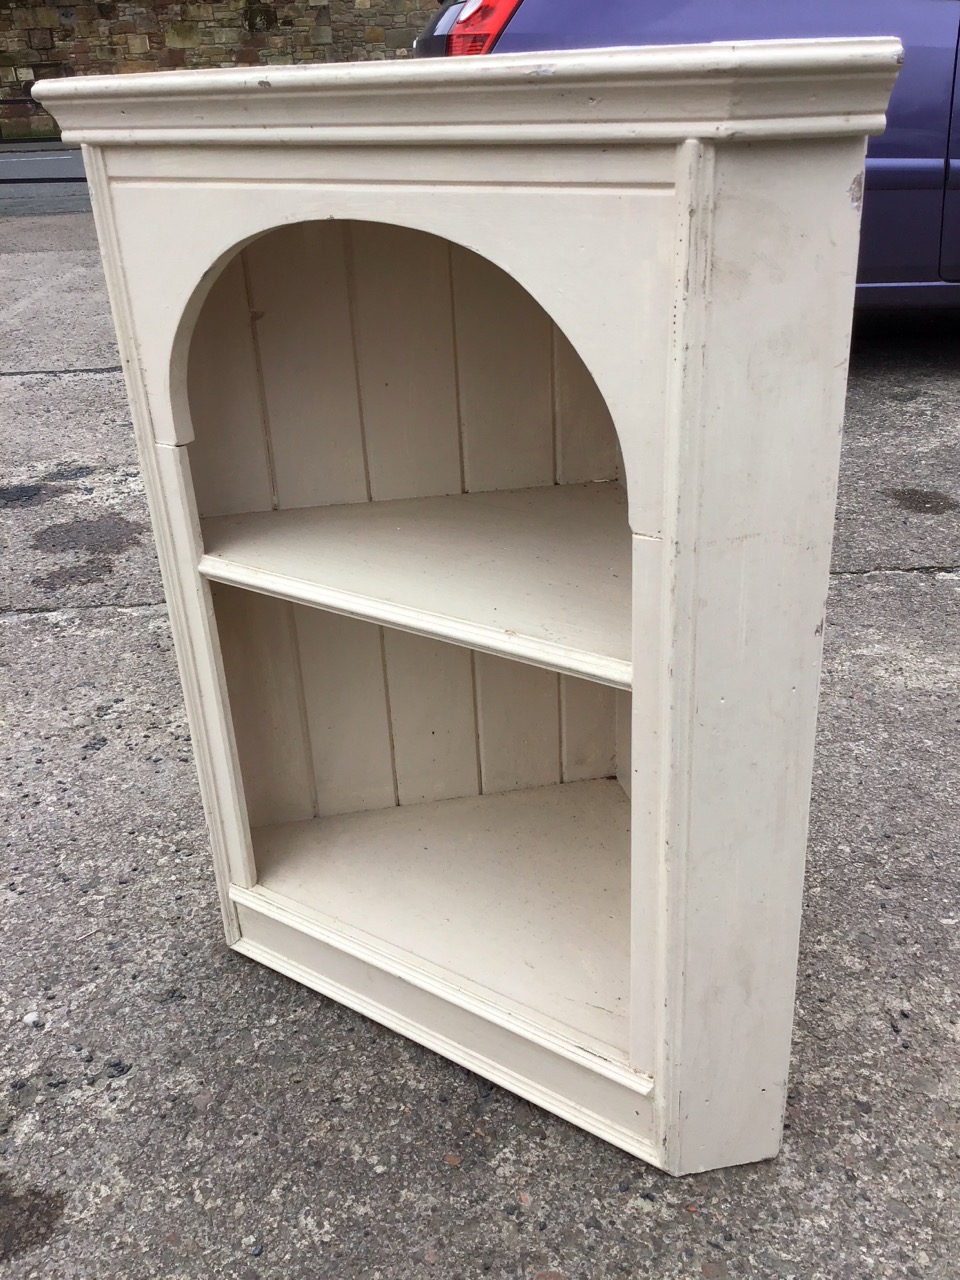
x: 15, y: 128
x: 374, y: 35
x: 321, y: 35
x: 226, y: 36
x: 41, y: 38
x: 43, y: 125
x: 182, y: 35
x: 45, y: 17
x: 399, y: 38
x: 138, y: 44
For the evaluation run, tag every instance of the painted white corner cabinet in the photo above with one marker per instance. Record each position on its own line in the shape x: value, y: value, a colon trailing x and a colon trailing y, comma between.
x: 489, y: 413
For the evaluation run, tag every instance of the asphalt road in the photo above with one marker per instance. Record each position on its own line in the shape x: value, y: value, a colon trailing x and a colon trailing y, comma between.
x: 40, y: 180
x: 49, y: 164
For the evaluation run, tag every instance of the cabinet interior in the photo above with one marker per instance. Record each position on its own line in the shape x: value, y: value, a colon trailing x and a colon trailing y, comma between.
x: 407, y: 480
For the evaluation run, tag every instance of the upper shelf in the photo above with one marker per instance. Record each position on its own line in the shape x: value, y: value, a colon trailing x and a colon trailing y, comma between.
x: 541, y: 575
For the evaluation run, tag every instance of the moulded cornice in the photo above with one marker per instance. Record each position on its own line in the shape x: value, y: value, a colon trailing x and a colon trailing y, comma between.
x: 724, y: 91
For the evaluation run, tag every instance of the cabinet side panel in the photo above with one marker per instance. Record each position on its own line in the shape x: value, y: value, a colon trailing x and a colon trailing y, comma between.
x: 503, y: 360
x: 589, y: 740
x: 228, y: 457
x: 750, y: 581
x: 347, y: 715
x: 433, y: 718
x: 587, y: 446
x: 518, y: 725
x: 404, y: 326
x: 297, y: 280
x: 173, y: 508
x: 624, y: 732
x: 261, y: 664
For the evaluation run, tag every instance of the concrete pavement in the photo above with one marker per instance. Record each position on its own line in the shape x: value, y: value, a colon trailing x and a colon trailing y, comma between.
x: 173, y: 1110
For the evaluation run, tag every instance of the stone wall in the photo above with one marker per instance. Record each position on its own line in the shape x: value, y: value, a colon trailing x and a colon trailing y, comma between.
x: 39, y: 40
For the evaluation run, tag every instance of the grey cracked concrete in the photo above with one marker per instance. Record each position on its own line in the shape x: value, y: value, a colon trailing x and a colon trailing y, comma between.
x: 899, y: 497
x: 25, y: 201
x: 89, y: 527
x: 44, y: 231
x: 172, y: 1110
x: 73, y: 419
x: 55, y: 313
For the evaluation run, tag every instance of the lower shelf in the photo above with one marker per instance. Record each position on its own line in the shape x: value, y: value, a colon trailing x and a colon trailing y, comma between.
x: 519, y: 900
x: 603, y: 1097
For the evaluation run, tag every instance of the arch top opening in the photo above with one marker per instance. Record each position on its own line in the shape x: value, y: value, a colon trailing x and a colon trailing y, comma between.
x: 416, y: 541
x: 387, y: 424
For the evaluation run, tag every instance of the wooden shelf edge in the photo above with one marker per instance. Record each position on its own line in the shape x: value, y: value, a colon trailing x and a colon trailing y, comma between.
x: 617, y: 1107
x: 554, y: 657
x: 390, y: 961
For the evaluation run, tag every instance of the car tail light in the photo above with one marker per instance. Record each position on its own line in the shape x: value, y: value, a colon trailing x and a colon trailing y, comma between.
x: 479, y: 25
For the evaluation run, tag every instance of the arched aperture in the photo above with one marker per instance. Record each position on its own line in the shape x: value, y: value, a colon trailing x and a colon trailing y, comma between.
x: 417, y: 545
x: 335, y: 362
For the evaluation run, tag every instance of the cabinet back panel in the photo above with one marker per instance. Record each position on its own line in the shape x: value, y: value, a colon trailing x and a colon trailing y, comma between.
x: 588, y: 717
x: 300, y: 314
x: 344, y: 691
x: 433, y: 716
x: 259, y: 647
x: 335, y: 362
x: 518, y: 714
x: 586, y: 442
x: 333, y: 715
x: 405, y: 357
x: 228, y: 458
x: 506, y: 380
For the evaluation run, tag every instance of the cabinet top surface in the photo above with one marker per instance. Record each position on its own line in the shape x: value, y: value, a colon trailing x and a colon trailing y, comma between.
x: 796, y: 88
